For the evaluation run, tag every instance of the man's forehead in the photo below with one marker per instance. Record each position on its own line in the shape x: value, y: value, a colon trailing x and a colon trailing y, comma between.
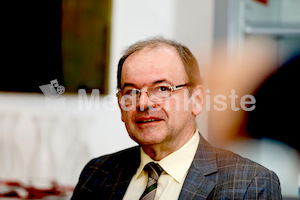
x: 147, y: 79
x: 161, y: 48
x: 152, y: 64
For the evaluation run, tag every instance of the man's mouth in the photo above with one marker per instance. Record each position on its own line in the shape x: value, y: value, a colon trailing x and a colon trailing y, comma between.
x: 144, y: 121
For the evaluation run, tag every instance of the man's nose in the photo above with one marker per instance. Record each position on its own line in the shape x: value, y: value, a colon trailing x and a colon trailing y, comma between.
x: 144, y: 101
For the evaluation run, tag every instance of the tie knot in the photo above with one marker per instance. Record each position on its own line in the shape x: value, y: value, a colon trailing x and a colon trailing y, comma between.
x: 154, y: 170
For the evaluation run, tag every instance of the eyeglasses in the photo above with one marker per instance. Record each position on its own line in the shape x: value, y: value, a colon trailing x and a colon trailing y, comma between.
x: 156, y: 93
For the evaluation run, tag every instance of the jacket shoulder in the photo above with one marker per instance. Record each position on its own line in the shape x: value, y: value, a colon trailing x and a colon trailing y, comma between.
x: 246, y: 177
x: 110, y: 162
x: 230, y: 161
x: 102, y: 174
x: 115, y: 158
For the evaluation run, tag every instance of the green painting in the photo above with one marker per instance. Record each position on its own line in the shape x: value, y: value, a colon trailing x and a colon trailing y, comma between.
x: 85, y: 44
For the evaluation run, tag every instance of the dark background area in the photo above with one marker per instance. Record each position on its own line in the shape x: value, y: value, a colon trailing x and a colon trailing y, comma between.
x: 32, y: 45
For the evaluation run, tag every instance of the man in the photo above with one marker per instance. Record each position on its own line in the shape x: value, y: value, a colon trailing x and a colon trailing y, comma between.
x: 160, y: 95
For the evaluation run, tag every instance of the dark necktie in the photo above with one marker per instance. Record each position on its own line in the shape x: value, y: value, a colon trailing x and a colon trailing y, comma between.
x: 154, y: 171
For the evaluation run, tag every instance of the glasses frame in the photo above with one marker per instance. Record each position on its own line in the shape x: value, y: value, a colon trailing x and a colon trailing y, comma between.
x: 140, y: 91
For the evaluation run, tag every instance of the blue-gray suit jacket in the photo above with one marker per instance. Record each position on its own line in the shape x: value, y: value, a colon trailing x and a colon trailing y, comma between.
x: 214, y: 174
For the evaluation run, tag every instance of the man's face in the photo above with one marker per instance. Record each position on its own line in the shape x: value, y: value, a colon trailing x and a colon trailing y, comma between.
x: 166, y: 123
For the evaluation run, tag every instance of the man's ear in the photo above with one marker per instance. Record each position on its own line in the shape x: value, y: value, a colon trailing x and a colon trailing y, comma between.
x: 198, y: 99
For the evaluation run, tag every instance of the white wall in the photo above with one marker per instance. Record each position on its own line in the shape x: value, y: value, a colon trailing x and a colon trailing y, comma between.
x: 188, y: 21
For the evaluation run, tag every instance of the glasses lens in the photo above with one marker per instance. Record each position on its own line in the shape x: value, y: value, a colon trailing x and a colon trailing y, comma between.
x: 159, y: 92
x: 129, y: 96
x: 129, y: 91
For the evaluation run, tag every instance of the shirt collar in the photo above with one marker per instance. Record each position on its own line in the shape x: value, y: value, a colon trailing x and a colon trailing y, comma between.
x: 186, y: 153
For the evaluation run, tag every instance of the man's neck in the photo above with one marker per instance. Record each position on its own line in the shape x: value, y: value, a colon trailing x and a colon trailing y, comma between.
x: 159, y: 151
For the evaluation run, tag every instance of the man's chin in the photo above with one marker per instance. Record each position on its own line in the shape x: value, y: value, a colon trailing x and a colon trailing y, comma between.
x: 148, y: 141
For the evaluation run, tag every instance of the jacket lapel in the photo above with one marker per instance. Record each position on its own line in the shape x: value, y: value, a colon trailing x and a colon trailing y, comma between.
x: 200, y: 179
x: 124, y: 177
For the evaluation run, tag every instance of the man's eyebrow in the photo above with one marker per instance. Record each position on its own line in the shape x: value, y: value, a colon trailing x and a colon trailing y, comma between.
x: 153, y: 83
x: 128, y: 84
x: 161, y: 81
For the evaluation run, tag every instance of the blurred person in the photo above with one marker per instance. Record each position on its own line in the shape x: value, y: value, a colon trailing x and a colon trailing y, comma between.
x: 277, y: 106
x: 274, y: 124
x: 255, y: 72
x: 160, y: 95
x: 265, y: 129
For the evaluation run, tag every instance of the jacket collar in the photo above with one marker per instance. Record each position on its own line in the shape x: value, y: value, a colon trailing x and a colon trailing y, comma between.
x: 205, y: 158
x: 197, y: 185
x: 200, y: 179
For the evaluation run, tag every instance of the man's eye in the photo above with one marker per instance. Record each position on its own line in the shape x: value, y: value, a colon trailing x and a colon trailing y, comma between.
x: 130, y: 92
x: 163, y: 88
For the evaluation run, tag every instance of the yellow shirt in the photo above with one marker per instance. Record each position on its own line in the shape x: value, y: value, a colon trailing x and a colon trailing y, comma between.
x: 175, y: 165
